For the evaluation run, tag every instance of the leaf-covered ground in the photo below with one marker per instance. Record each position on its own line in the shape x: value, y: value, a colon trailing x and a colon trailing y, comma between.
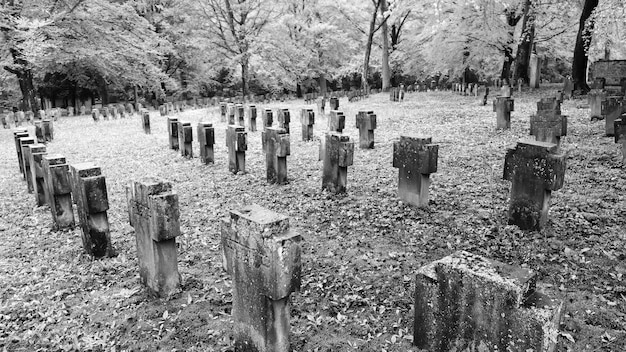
x: 361, y: 249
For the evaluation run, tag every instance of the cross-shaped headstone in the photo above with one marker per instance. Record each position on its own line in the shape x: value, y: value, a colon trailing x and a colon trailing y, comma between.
x: 336, y: 121
x: 334, y: 103
x: 268, y: 118
x: 263, y: 257
x: 206, y: 139
x: 535, y: 169
x: 24, y: 155
x: 338, y: 155
x: 503, y: 106
x: 307, y: 118
x: 172, y: 132
x: 231, y: 114
x: 612, y: 108
x: 95, y: 114
x: 548, y: 125
x: 48, y: 130
x: 58, y: 190
x: 276, y: 148
x: 153, y: 213
x: 366, y: 123
x: 236, y: 141
x: 145, y: 118
x: 223, y: 111
x: 240, y: 115
x: 284, y: 118
x: 416, y: 158
x: 185, y: 139
x: 252, y: 118
x: 35, y: 153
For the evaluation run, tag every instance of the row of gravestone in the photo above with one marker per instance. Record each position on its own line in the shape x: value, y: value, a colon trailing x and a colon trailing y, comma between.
x: 609, y: 104
x: 263, y: 256
x: 19, y: 118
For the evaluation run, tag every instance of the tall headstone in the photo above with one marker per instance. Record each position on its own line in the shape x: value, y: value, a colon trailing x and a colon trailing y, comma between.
x: 240, y: 115
x: 25, y: 155
x: 231, y: 114
x: 48, y: 130
x: 416, y: 158
x: 535, y: 70
x: 268, y: 118
x: 206, y: 139
x: 263, y: 256
x: 338, y: 155
x: 466, y: 300
x: 307, y: 118
x: 612, y: 108
x: 18, y: 134
x: 35, y: 154
x: 503, y: 106
x: 172, y: 132
x: 39, y: 132
x: 153, y: 213
x: 276, y: 148
x: 595, y: 97
x: 90, y: 193
x: 145, y: 119
x: 620, y: 135
x: 333, y: 102
x: 223, y: 111
x: 535, y: 170
x: 548, y: 125
x: 336, y: 121
x: 366, y: 124
x: 284, y: 118
x: 252, y: 112
x: 236, y: 142
x: 185, y: 139
x: 56, y: 174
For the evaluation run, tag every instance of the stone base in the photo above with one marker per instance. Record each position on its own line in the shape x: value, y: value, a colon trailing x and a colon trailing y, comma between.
x: 413, y: 187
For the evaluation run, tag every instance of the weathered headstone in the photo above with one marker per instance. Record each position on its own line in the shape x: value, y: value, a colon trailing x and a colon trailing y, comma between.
x: 83, y: 110
x: 163, y: 110
x: 240, y: 115
x: 5, y: 121
x: 172, y: 132
x: 223, y: 111
x: 90, y: 195
x: 334, y: 103
x: 185, y: 139
x: 206, y: 139
x: 307, y: 118
x: 321, y: 105
x: 104, y: 111
x: 236, y: 141
x: 70, y: 111
x: 276, y: 148
x: 548, y: 125
x: 336, y: 121
x: 612, y: 108
x: 503, y: 106
x: 122, y: 111
x: 284, y: 118
x: 154, y: 214
x: 24, y: 154
x: 145, y: 119
x: 48, y: 130
x: 620, y: 135
x: 39, y: 132
x: 338, y: 155
x: 535, y: 170
x: 56, y: 174
x: 595, y: 97
x: 231, y: 114
x: 20, y: 117
x: 416, y: 158
x: 35, y: 154
x: 114, y: 112
x: 42, y: 114
x: 18, y: 134
x: 535, y: 70
x: 466, y: 300
x: 252, y: 111
x: 263, y: 256
x: 95, y: 114
x: 268, y: 118
x: 130, y: 109
x: 366, y: 123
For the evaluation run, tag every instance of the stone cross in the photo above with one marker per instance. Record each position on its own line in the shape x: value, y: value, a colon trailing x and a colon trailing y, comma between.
x: 595, y: 97
x: 48, y: 130
x: 620, y: 135
x: 366, y: 123
x: 236, y: 141
x: 548, y: 125
x: 19, y: 133
x: 39, y: 132
x: 240, y: 115
x: 58, y: 190
x: 334, y: 103
x: 95, y: 114
x: 468, y: 300
x: 130, y: 109
x: 416, y: 158
x: 35, y: 153
x: 336, y: 121
x: 223, y: 111
x: 503, y: 106
x: 153, y: 213
x: 206, y: 139
x: 185, y: 139
x: 268, y: 118
x: 163, y: 110
x: 612, y: 108
x: 321, y: 104
x: 338, y: 155
x: 90, y: 194
x: 231, y: 114
x: 276, y: 148
x: 24, y: 154
x: 252, y: 118
x: 104, y: 111
x: 172, y: 132
x: 263, y: 257
x: 145, y: 118
x: 307, y: 118
x: 535, y: 170
x: 284, y: 118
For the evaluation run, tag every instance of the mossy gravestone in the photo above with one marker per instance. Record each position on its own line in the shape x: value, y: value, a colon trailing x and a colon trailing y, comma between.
x: 416, y: 158
x: 338, y: 155
x: 275, y: 142
x: 263, y: 257
x: 59, y: 192
x: 548, y: 125
x: 366, y: 124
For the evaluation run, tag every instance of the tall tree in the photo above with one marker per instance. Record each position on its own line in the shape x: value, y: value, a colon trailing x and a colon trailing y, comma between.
x: 581, y: 59
x: 386, y: 71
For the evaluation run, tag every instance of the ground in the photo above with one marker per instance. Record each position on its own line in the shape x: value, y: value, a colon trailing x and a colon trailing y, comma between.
x: 360, y: 251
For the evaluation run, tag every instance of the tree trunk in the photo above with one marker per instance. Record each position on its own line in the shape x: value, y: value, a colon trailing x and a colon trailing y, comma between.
x: 385, y: 59
x: 522, y: 59
x: 29, y: 98
x: 244, y: 76
x: 579, y: 65
x: 506, y: 66
x: 322, y: 83
x: 368, y: 48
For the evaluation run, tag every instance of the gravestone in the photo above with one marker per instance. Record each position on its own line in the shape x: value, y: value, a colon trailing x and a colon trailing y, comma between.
x: 95, y: 114
x: 239, y: 115
x: 612, y: 108
x: 231, y: 114
x: 185, y: 139
x: 18, y: 135
x: 39, y: 132
x: 321, y: 106
x: 145, y: 119
x: 104, y: 111
x: 163, y: 110
x: 83, y: 110
x: 122, y: 110
x: 252, y: 118
x: 70, y: 111
x: 334, y: 103
x: 263, y: 257
x: 548, y: 125
x: 236, y: 142
x: 620, y: 135
x: 24, y: 146
x: 19, y: 118
x: 595, y: 97
x: 206, y: 139
x: 35, y: 154
x: 153, y: 213
x: 90, y: 195
x: 284, y: 118
x: 338, y: 155
x: 30, y: 116
x: 466, y: 300
x: 366, y: 123
x: 535, y: 70
x: 42, y: 114
x: 48, y: 130
x: 268, y: 118
x: 416, y: 158
x: 5, y: 121
x: 172, y: 132
x: 336, y: 121
x: 130, y: 109
x: 276, y: 148
x: 503, y: 106
x: 223, y: 111
x: 56, y: 174
x: 307, y: 118
x: 535, y: 170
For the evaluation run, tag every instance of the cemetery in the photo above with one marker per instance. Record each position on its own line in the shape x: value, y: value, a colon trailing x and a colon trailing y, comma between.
x: 431, y: 197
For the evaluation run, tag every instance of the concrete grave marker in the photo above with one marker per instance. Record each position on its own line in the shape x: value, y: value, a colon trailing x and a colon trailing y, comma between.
x: 153, y: 213
x: 95, y: 114
x: 145, y: 119
x: 276, y: 148
x: 223, y: 111
x: 612, y: 108
x: 236, y: 142
x: 548, y: 125
x: 284, y: 119
x: 56, y: 174
x: 366, y: 124
x: 263, y: 257
x: 503, y: 106
x: 336, y: 121
x: 465, y: 302
x: 39, y: 132
x: 338, y: 155
x: 25, y: 155
x: 231, y: 114
x: 535, y: 170
x: 333, y: 102
x: 90, y: 195
x: 48, y: 130
x: 172, y: 132
x: 268, y: 118
x: 185, y: 139
x: 595, y: 97
x: 416, y: 158
x: 252, y: 111
x: 35, y: 153
x: 19, y: 133
x: 620, y: 135
x: 307, y: 118
x: 240, y: 115
x: 206, y: 139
